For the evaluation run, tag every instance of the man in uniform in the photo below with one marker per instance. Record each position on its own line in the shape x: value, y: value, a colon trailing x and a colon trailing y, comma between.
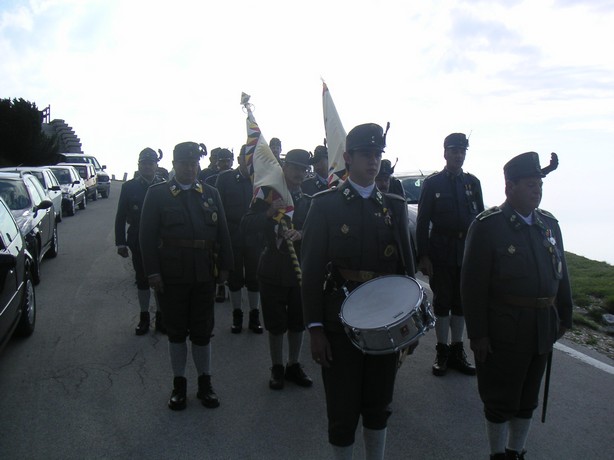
x: 449, y: 202
x: 129, y: 208
x: 236, y: 191
x: 280, y: 291
x: 186, y: 247
x: 212, y: 168
x: 275, y: 146
x: 386, y: 182
x: 319, y: 181
x: 352, y: 234
x: 517, y: 303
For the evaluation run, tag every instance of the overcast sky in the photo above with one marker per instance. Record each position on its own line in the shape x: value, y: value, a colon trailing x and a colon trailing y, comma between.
x: 515, y: 75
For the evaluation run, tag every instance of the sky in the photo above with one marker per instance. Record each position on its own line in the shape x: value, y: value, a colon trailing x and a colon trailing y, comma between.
x: 515, y: 76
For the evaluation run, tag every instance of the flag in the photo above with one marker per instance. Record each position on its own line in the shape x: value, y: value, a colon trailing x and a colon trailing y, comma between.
x: 335, y: 139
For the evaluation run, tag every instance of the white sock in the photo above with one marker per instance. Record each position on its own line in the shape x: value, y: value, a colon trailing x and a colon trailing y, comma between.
x: 519, y: 431
x: 442, y: 327
x: 457, y: 326
x: 253, y: 299
x: 235, y: 299
x: 295, y: 343
x: 143, y: 295
x: 343, y: 453
x: 276, y: 348
x: 497, y: 436
x: 179, y: 356
x: 201, y: 354
x: 375, y: 443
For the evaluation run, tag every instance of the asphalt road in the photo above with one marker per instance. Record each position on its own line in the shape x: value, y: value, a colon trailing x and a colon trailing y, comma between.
x: 84, y: 386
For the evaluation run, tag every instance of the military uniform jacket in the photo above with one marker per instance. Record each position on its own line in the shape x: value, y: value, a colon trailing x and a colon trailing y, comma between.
x: 313, y: 185
x: 171, y: 219
x: 236, y: 192
x: 506, y: 258
x: 129, y: 208
x: 344, y: 230
x: 275, y: 265
x: 449, y: 203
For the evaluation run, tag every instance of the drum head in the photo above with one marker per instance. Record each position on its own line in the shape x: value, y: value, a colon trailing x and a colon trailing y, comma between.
x: 381, y: 302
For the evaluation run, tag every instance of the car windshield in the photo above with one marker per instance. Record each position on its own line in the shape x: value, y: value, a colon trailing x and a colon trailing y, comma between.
x: 82, y: 170
x: 14, y: 194
x: 76, y: 159
x: 94, y: 161
x: 413, y: 187
x: 63, y: 176
x: 38, y: 175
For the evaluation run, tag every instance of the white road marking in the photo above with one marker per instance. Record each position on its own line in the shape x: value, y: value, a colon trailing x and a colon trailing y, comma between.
x: 584, y: 358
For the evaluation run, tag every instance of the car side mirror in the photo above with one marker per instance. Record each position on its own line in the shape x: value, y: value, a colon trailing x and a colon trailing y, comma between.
x: 45, y: 204
x: 76, y: 182
x: 55, y: 188
x: 104, y: 166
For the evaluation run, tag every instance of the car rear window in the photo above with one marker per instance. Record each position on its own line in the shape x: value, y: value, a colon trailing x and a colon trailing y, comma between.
x: 14, y: 194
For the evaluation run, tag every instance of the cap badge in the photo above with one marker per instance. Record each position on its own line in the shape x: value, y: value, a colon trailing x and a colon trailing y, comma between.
x: 511, y: 249
x: 389, y: 250
x: 345, y: 229
x: 437, y: 195
x: 214, y: 217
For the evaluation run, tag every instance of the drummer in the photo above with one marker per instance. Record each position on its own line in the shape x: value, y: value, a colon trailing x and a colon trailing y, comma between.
x: 359, y: 234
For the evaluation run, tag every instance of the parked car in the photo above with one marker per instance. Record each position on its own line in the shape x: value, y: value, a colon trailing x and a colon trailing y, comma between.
x: 73, y: 188
x: 88, y: 174
x: 34, y: 214
x: 104, y: 181
x: 49, y: 182
x: 17, y: 296
x: 412, y: 185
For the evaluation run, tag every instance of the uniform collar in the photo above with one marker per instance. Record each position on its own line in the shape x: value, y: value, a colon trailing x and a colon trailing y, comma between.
x: 177, y: 188
x: 350, y: 193
x: 513, y: 218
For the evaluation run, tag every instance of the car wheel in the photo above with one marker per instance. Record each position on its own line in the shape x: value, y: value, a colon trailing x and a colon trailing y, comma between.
x: 83, y: 203
x: 95, y: 196
x: 58, y: 217
x: 71, y: 208
x: 53, y: 249
x: 104, y: 194
x: 27, y: 321
x: 36, y: 266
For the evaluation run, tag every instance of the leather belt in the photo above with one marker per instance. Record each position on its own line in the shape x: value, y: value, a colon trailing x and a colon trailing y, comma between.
x: 359, y: 276
x: 194, y: 244
x: 531, y: 302
x: 451, y: 233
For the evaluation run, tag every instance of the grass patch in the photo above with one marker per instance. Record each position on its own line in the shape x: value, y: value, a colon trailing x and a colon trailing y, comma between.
x: 589, y: 280
x: 581, y: 320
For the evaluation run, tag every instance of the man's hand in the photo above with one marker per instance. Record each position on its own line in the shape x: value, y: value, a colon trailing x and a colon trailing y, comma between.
x: 320, y: 347
x: 426, y: 266
x: 122, y: 251
x: 155, y: 282
x: 293, y: 235
x: 481, y: 348
x: 275, y: 206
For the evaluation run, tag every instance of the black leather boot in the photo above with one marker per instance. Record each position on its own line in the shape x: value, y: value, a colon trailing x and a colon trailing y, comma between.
x: 458, y: 359
x: 296, y: 374
x: 500, y: 456
x: 254, y: 321
x: 178, y: 396
x: 237, y: 321
x: 143, y: 326
x: 514, y: 455
x: 440, y: 366
x: 159, y: 324
x: 206, y: 393
x: 276, y: 381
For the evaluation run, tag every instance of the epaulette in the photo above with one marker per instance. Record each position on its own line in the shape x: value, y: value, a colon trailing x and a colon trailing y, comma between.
x: 489, y: 212
x: 432, y: 174
x: 159, y: 184
x: 324, y: 192
x: 546, y: 213
x: 473, y: 177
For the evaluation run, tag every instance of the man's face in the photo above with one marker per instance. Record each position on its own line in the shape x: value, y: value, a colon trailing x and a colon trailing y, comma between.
x: 321, y: 167
x: 147, y: 169
x: 455, y: 157
x: 224, y: 164
x: 524, y: 194
x: 383, y: 182
x: 276, y: 149
x: 364, y: 165
x: 294, y: 175
x: 186, y: 171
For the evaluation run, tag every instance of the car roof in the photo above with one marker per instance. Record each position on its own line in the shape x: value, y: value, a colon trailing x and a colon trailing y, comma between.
x: 14, y: 175
x: 24, y: 168
x: 75, y: 164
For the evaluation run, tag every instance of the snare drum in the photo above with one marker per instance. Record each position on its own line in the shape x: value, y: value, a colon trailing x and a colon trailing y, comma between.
x: 386, y: 314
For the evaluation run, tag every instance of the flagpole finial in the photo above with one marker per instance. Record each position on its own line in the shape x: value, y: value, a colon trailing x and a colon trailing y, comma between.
x: 248, y: 108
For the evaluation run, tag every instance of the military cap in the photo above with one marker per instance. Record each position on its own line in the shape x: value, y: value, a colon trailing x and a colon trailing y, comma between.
x: 385, y: 168
x: 298, y: 157
x: 321, y: 153
x: 523, y: 165
x: 189, y: 151
x: 366, y: 136
x: 456, y: 140
x: 224, y: 154
x: 274, y: 141
x: 148, y: 154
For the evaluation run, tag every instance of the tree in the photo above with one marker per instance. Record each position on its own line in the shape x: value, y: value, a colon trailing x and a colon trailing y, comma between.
x: 22, y: 141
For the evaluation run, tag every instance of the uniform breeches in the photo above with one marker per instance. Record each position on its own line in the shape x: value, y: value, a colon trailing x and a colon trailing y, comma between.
x: 509, y: 384
x: 246, y: 267
x: 281, y: 308
x: 356, y: 385
x: 137, y: 262
x: 188, y: 310
x: 445, y: 284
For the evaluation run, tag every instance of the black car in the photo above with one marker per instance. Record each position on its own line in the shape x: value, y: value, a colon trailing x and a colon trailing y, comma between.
x: 34, y: 214
x: 17, y: 297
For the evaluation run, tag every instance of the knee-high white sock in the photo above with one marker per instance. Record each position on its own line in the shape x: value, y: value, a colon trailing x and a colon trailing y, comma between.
x: 457, y: 326
x: 253, y: 299
x: 201, y: 354
x: 375, y: 443
x: 235, y: 299
x: 143, y: 296
x: 497, y: 436
x: 518, y: 433
x: 442, y: 327
x: 179, y: 356
x: 343, y: 453
x: 295, y: 343
x: 276, y: 348
x: 156, y: 301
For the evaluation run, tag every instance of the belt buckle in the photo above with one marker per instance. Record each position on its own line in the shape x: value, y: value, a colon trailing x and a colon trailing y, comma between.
x: 365, y: 275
